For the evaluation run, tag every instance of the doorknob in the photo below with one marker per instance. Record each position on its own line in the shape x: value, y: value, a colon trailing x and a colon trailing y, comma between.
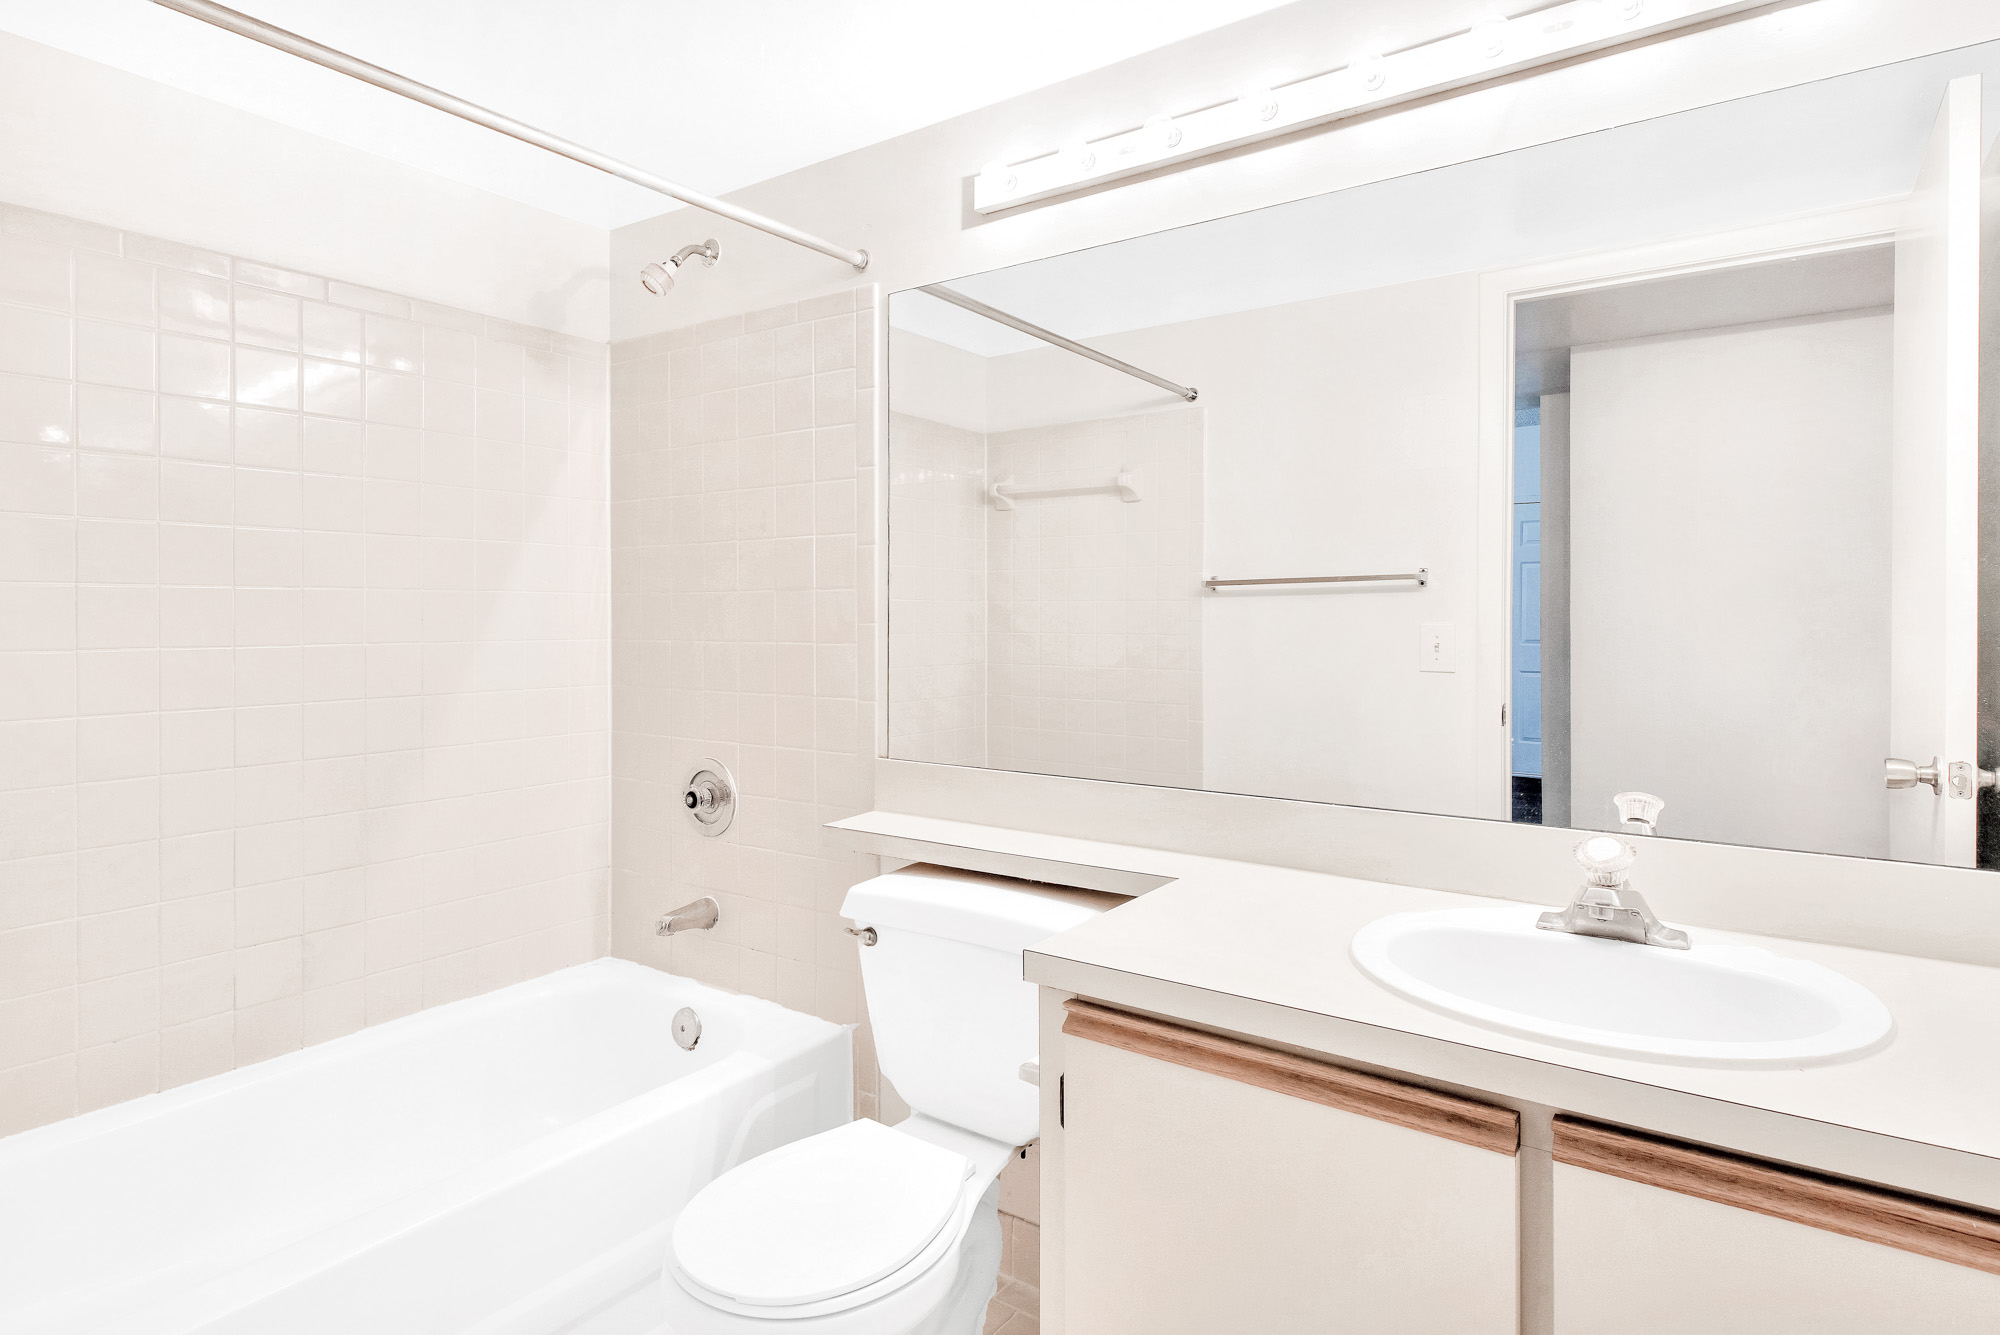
x: 1908, y: 774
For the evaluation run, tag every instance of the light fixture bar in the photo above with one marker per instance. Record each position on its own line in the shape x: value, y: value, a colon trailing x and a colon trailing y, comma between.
x: 994, y: 313
x: 306, y: 49
x: 1369, y: 83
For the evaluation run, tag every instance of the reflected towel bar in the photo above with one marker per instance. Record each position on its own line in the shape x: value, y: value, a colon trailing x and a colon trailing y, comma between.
x: 1004, y: 493
x: 1419, y: 577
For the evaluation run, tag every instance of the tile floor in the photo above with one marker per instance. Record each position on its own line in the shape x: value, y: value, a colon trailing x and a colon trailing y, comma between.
x: 1017, y: 1307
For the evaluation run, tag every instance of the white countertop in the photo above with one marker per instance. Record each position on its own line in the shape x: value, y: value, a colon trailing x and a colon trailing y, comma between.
x: 1263, y: 951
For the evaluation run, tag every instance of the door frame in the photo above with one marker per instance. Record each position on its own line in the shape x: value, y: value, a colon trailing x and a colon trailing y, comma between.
x: 1500, y: 290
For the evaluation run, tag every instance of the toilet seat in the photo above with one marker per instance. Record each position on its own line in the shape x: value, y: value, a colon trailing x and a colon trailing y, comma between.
x: 824, y: 1224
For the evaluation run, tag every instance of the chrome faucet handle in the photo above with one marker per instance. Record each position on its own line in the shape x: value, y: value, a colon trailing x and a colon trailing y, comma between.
x: 1639, y: 812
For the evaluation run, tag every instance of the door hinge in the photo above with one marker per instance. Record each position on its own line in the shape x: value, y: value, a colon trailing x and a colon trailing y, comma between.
x: 1061, y: 1111
x: 1503, y: 716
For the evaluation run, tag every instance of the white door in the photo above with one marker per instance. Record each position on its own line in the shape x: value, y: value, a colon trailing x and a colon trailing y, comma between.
x: 1934, y: 491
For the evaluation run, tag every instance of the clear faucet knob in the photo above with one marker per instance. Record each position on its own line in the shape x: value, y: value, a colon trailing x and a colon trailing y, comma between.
x: 1640, y: 809
x: 1604, y: 859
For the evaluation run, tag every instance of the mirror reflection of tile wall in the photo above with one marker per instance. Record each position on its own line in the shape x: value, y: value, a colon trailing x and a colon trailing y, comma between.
x: 1695, y: 543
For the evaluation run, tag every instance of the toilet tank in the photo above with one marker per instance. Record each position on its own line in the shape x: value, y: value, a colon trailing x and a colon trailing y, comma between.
x: 952, y: 1017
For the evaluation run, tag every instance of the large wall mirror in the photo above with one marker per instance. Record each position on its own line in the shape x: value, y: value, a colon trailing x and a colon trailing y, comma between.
x: 1645, y: 462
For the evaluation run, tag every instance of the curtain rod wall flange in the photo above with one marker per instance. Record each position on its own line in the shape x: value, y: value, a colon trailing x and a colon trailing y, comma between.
x: 305, y: 48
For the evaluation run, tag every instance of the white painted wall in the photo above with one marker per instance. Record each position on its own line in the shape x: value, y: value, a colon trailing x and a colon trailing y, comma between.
x: 1340, y: 440
x: 1729, y: 582
x: 92, y: 142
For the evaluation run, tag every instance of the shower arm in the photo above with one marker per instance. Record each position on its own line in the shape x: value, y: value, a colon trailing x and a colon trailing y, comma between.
x: 306, y: 49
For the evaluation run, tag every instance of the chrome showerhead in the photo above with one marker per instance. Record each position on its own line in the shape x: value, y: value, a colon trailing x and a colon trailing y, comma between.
x: 658, y: 277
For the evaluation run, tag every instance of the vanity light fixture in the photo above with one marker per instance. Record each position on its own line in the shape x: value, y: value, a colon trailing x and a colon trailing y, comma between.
x: 1367, y: 82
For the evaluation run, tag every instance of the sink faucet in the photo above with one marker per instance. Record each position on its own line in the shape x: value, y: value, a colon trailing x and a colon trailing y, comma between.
x: 1607, y: 905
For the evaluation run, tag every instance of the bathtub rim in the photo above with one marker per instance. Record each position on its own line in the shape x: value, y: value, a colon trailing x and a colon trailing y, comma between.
x: 605, y: 968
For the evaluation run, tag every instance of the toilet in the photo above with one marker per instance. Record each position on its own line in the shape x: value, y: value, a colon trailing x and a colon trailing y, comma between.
x: 891, y: 1230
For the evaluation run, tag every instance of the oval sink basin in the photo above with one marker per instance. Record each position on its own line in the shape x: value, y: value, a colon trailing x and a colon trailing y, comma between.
x: 1714, y: 1005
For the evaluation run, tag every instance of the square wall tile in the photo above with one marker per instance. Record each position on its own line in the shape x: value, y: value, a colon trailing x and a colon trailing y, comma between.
x: 34, y: 342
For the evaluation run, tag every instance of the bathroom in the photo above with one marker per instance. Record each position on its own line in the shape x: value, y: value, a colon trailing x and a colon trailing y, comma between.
x: 901, y: 669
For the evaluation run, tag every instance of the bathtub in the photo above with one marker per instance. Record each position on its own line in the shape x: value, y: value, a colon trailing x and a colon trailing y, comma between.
x: 505, y: 1165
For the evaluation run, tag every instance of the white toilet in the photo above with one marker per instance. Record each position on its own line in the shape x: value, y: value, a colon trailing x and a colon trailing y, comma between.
x: 874, y: 1230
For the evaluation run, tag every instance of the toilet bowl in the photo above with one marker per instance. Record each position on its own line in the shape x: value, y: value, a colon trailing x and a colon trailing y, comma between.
x: 864, y: 1230
x: 891, y: 1230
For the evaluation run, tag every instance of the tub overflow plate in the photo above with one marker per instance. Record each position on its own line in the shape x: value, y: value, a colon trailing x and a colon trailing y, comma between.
x: 687, y: 1027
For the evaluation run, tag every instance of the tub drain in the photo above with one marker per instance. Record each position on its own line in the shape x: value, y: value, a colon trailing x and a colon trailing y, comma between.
x: 687, y: 1027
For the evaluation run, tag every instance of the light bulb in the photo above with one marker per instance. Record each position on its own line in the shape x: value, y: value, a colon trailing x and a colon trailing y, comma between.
x: 1001, y: 177
x: 1258, y: 102
x: 1490, y: 38
x: 1162, y: 133
x: 1369, y: 72
x: 1080, y: 155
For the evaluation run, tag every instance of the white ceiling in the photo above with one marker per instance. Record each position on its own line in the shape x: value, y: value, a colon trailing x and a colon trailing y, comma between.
x: 1833, y: 283
x: 716, y: 96
x: 1798, y: 150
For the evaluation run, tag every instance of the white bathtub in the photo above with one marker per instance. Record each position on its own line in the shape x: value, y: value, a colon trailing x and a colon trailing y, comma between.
x: 506, y: 1165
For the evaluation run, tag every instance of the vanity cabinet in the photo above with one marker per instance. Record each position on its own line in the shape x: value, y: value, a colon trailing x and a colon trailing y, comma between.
x: 1215, y: 1185
x: 1653, y: 1237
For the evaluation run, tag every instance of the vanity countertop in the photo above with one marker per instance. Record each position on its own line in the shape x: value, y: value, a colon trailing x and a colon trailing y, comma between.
x: 1263, y: 951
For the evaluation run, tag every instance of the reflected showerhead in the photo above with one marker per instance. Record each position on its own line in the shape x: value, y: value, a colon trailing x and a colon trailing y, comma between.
x: 658, y: 277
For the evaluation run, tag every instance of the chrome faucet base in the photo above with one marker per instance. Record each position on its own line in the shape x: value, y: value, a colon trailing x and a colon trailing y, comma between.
x: 1627, y: 919
x: 1607, y: 906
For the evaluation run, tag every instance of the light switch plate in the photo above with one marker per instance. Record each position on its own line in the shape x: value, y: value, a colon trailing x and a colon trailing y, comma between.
x: 1437, y: 647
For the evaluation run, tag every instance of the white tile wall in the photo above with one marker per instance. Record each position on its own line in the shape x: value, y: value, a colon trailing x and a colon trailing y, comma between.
x: 938, y: 592
x: 1062, y: 636
x: 303, y: 660
x: 1094, y: 634
x: 742, y: 478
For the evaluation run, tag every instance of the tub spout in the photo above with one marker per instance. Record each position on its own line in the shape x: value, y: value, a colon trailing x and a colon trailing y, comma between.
x: 699, y: 916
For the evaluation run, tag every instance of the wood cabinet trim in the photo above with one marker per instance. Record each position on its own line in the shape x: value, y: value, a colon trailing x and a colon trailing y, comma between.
x: 1954, y: 1233
x: 1420, y: 1109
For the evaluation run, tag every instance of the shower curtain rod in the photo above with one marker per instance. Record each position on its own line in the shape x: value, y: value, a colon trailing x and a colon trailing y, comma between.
x: 943, y: 293
x: 306, y: 49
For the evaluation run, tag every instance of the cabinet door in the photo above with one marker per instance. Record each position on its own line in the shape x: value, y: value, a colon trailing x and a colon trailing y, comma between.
x: 1196, y: 1201
x: 1658, y: 1238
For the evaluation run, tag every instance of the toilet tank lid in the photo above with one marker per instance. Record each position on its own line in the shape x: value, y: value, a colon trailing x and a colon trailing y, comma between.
x: 993, y: 911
